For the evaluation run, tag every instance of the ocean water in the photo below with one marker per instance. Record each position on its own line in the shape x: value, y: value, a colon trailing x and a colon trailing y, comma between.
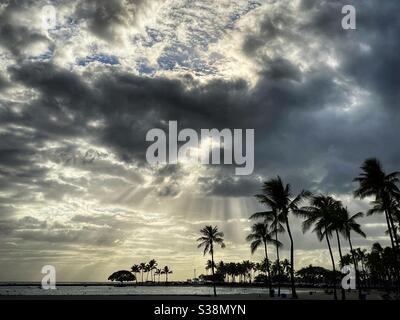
x: 131, y: 290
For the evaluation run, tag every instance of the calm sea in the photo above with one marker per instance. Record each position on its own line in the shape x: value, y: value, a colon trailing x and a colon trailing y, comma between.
x: 130, y: 290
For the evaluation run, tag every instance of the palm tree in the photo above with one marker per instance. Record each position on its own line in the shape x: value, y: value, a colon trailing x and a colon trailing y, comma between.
x: 143, y: 268
x: 209, y: 265
x: 373, y: 181
x: 339, y: 218
x: 262, y: 236
x: 286, y: 267
x: 321, y: 213
x: 221, y: 268
x: 276, y: 225
x: 348, y: 225
x: 135, y: 269
x: 277, y: 196
x: 166, y: 271
x: 158, y: 272
x: 393, y: 206
x: 211, y: 236
x: 147, y: 270
x: 152, y: 265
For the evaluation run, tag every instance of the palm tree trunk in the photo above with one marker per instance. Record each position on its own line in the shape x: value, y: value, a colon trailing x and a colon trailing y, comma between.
x: 268, y: 273
x: 390, y: 229
x: 212, y: 268
x: 358, y: 280
x: 333, y: 266
x: 396, y: 241
x: 277, y: 257
x: 341, y: 262
x: 294, y: 294
x: 395, y: 245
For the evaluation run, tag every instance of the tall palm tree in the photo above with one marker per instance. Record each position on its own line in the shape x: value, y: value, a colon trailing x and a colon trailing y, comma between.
x: 143, y: 269
x: 339, y: 218
x: 152, y: 265
x: 261, y: 236
x: 147, y: 270
x: 209, y: 237
x: 373, y: 181
x: 135, y: 269
x: 347, y: 227
x: 277, y: 227
x: 320, y: 214
x: 393, y: 206
x: 277, y: 196
x: 166, y: 271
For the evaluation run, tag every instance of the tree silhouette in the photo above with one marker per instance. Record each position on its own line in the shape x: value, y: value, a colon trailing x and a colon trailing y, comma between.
x: 166, y: 271
x: 152, y: 265
x: 278, y: 197
x: 210, y: 236
x: 135, y: 269
x: 261, y: 236
x: 121, y: 276
x: 321, y: 214
x: 276, y: 225
x: 143, y: 269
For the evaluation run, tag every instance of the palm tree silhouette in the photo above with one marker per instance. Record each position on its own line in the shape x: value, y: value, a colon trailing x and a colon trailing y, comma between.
x: 152, y: 265
x: 211, y: 236
x: 373, y: 181
x: 278, y: 197
x: 339, y: 218
x: 286, y: 267
x: 209, y: 265
x: 143, y: 269
x: 348, y: 225
x: 261, y: 236
x: 321, y: 214
x: 135, y: 269
x: 276, y: 225
x: 158, y: 272
x: 166, y: 271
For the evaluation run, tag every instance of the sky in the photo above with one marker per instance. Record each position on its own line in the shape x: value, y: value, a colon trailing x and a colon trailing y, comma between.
x: 77, y: 99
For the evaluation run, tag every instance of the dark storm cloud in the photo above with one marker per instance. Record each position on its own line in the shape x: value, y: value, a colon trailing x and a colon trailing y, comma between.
x: 369, y: 54
x: 289, y: 107
x: 313, y: 134
x: 130, y: 105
